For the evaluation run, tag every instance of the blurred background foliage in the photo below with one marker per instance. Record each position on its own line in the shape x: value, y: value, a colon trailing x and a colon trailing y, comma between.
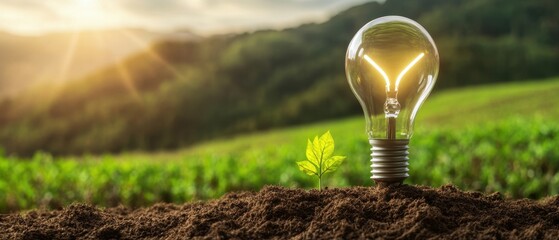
x: 181, y: 92
x: 196, y: 118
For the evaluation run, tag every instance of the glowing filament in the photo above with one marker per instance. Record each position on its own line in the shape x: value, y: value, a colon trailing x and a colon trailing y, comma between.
x: 408, y: 68
x: 400, y: 76
x: 379, y: 69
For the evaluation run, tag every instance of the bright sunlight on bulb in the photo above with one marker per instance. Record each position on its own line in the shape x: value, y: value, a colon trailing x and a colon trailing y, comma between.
x: 391, y: 65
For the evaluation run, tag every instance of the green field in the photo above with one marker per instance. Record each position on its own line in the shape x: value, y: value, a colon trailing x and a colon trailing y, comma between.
x: 488, y: 138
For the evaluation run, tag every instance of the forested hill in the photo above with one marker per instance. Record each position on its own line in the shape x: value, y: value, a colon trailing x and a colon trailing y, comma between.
x: 178, y: 93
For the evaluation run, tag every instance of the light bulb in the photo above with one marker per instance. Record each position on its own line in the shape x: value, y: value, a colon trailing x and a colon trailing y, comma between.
x: 391, y: 65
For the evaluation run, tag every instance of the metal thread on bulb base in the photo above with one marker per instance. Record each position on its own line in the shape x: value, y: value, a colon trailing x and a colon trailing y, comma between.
x: 389, y: 161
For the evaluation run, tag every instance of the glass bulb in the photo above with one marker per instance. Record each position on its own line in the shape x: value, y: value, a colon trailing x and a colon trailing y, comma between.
x: 391, y: 65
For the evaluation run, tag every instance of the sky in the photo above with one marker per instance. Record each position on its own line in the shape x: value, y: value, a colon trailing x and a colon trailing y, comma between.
x: 205, y: 17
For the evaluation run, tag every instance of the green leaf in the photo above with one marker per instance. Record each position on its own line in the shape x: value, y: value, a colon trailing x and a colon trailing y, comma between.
x: 327, y: 145
x: 307, y: 167
x: 319, y: 156
x: 316, y: 151
x: 332, y: 163
x: 311, y: 155
x: 320, y: 149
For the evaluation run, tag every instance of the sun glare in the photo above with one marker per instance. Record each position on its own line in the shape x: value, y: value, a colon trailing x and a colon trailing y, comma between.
x: 87, y: 13
x: 86, y: 3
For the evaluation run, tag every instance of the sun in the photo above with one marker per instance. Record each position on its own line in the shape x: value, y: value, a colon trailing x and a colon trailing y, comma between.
x: 87, y: 12
x: 87, y: 3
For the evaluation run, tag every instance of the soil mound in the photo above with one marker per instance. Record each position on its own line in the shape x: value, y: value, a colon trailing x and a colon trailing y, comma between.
x: 401, y: 212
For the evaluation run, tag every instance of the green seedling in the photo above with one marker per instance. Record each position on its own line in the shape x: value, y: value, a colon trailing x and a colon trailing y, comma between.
x: 319, y: 157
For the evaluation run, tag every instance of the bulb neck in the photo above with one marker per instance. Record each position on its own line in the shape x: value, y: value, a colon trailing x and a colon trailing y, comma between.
x: 389, y: 161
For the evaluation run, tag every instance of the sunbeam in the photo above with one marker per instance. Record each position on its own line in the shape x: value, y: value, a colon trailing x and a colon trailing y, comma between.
x: 125, y: 77
x: 146, y: 46
x: 63, y: 73
x: 68, y: 57
x: 128, y: 81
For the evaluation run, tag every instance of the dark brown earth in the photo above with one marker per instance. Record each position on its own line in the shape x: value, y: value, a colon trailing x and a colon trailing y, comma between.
x: 404, y: 212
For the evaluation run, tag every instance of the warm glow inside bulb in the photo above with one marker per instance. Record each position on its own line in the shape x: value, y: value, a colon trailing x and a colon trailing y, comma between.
x: 400, y: 76
x: 379, y: 69
x: 392, y: 65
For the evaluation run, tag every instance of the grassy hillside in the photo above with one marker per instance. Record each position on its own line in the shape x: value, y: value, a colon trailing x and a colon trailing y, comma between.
x: 456, y: 108
x: 490, y: 138
x: 180, y: 93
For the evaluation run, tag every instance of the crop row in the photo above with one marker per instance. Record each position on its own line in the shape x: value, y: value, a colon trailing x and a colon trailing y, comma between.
x: 518, y: 157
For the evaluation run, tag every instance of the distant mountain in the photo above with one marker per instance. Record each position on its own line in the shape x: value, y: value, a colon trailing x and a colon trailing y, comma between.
x: 51, y: 58
x: 180, y: 92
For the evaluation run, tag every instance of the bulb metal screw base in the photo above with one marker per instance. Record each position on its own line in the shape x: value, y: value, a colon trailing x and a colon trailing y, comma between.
x: 389, y: 161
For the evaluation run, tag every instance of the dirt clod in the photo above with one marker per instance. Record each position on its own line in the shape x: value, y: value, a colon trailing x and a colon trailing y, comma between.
x: 396, y: 212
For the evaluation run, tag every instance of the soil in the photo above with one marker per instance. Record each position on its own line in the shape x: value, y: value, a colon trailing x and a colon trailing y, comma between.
x: 396, y: 212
